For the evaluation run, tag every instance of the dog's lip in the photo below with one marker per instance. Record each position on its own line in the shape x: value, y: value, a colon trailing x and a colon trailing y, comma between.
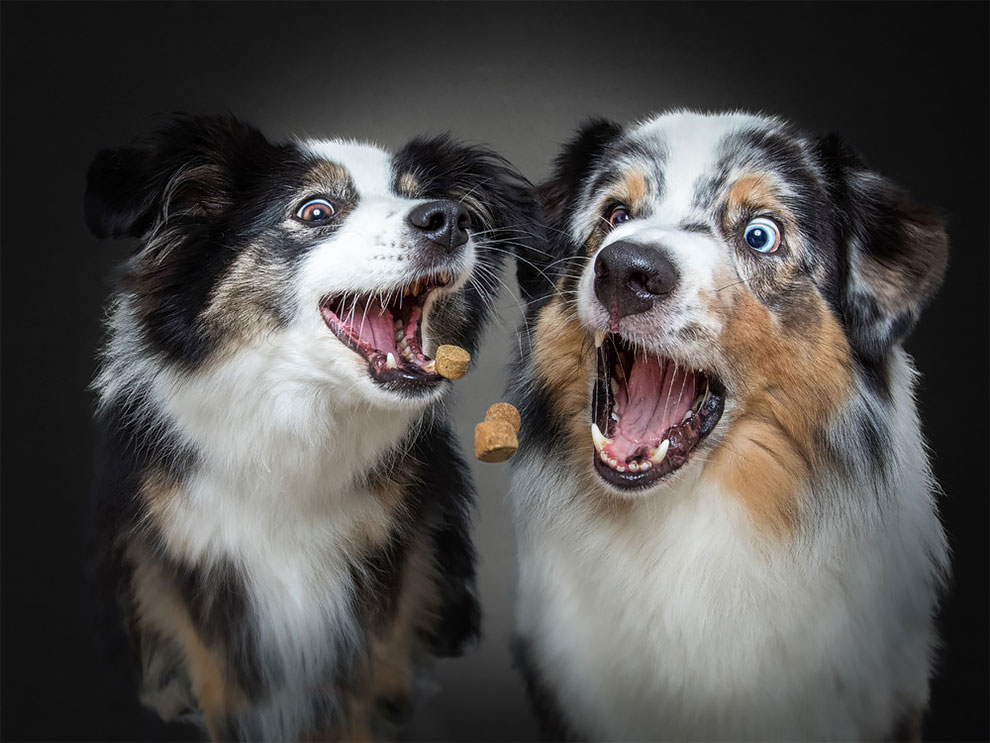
x: 389, y: 334
x: 659, y: 443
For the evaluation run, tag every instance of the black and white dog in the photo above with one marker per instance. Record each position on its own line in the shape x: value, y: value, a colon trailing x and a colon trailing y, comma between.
x: 726, y: 520
x: 283, y: 512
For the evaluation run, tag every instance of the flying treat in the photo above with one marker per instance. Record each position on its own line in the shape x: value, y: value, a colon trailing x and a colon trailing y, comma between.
x: 495, y: 437
x: 452, y: 362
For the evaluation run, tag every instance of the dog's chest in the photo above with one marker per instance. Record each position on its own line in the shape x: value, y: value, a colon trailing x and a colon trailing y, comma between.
x: 675, y: 627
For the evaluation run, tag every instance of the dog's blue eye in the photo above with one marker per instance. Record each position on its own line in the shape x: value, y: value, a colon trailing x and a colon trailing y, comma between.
x: 315, y: 210
x: 619, y: 215
x: 762, y: 235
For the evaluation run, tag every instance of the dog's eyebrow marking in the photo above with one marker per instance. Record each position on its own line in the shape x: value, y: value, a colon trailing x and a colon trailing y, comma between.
x: 633, y: 186
x: 326, y: 174
x: 752, y: 190
x: 408, y: 185
x: 699, y: 227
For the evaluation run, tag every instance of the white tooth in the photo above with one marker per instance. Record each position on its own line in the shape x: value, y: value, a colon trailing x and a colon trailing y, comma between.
x: 599, y: 437
x: 599, y: 338
x: 603, y: 455
x: 621, y: 468
x: 612, y: 463
x: 390, y: 361
x: 687, y: 415
x: 645, y: 465
x: 633, y: 467
x: 430, y: 366
x: 615, y: 387
x: 658, y: 454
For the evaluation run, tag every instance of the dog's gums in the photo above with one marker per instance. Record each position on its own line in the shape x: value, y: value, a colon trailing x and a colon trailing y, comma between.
x: 648, y: 413
x: 385, y: 329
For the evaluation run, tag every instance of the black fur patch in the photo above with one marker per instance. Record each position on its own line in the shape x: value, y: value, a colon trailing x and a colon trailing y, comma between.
x: 553, y: 725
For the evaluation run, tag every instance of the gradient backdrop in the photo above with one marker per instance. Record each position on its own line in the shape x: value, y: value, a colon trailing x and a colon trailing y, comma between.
x: 905, y: 83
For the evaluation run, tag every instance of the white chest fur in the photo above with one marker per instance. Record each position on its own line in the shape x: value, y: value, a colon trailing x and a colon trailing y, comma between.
x: 680, y: 622
x: 278, y: 490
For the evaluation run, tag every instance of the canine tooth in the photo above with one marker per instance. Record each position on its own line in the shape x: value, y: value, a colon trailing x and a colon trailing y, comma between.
x: 633, y: 467
x: 599, y: 338
x: 615, y: 386
x: 645, y: 465
x: 390, y: 361
x: 657, y: 455
x: 599, y: 437
x: 430, y: 366
x: 687, y: 415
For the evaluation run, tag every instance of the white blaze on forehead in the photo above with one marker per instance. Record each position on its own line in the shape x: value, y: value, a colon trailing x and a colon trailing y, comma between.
x: 691, y: 145
x: 369, y: 166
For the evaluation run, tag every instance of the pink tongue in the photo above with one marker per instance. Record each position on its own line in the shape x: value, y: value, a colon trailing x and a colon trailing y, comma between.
x: 375, y: 328
x: 655, y: 397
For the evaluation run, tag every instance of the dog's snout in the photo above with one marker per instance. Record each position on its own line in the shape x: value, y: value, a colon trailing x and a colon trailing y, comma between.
x: 631, y: 278
x: 444, y: 223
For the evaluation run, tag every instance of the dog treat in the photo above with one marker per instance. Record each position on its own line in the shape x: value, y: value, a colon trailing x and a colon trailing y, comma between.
x: 495, y: 437
x: 494, y: 441
x: 503, y: 411
x: 452, y: 362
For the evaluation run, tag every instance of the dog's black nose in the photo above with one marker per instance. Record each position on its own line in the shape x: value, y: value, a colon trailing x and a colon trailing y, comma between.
x: 631, y: 278
x: 442, y: 222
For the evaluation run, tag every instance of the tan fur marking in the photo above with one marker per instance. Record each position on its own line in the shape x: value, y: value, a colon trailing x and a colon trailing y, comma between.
x: 409, y: 185
x: 756, y: 192
x: 633, y: 189
x: 159, y: 493
x: 161, y: 609
x: 238, y: 310
x: 788, y: 385
x: 564, y: 354
x: 325, y: 173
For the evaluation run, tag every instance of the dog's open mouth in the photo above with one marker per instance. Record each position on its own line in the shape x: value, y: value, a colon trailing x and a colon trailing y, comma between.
x: 648, y: 413
x: 385, y: 328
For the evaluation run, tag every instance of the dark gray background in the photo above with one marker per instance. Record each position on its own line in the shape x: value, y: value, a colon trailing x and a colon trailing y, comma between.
x: 906, y: 83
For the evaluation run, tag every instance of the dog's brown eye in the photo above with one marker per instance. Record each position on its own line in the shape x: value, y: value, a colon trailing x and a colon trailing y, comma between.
x: 619, y: 215
x: 315, y: 210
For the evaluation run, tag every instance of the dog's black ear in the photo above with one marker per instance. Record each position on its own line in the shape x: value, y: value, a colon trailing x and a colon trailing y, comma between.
x: 578, y: 157
x: 557, y: 195
x: 896, y: 251
x: 181, y: 168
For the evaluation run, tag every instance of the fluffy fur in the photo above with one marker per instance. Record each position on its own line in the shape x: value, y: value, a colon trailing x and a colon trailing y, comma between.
x: 281, y: 522
x: 779, y: 579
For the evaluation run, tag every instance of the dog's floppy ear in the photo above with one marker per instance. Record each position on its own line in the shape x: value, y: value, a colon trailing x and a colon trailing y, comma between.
x: 896, y: 251
x: 557, y: 196
x: 578, y: 157
x: 182, y: 168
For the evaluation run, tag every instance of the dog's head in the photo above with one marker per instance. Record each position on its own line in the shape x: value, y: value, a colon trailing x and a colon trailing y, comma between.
x: 720, y: 283
x: 355, y: 262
